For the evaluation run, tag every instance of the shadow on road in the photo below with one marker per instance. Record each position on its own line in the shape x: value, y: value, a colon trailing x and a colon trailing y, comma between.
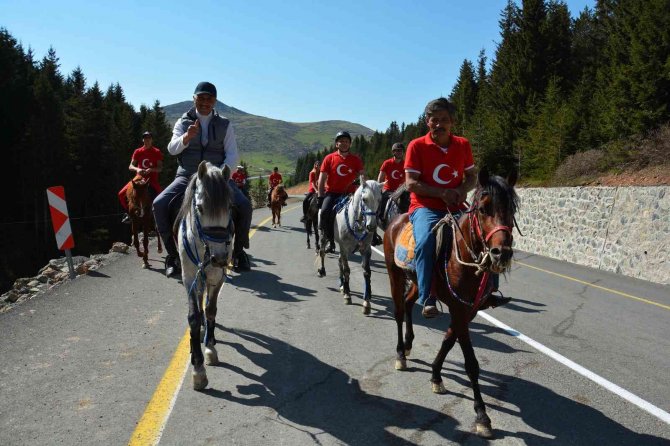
x: 319, y: 398
x: 270, y: 286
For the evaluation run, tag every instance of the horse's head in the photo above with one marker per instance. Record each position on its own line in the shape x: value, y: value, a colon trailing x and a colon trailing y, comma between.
x: 140, y: 182
x: 208, y: 201
x: 492, y: 217
x: 368, y: 197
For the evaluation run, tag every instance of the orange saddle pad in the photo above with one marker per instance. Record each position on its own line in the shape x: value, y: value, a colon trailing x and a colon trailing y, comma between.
x: 404, y: 248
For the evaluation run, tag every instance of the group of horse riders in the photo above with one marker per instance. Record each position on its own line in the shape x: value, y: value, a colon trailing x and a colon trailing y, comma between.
x: 438, y: 171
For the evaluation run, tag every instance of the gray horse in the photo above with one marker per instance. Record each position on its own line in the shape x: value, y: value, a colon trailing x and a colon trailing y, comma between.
x: 204, y: 235
x: 355, y: 225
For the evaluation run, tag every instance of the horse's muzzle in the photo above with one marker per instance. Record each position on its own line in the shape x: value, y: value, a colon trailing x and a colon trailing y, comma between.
x: 501, y: 257
x: 218, y: 261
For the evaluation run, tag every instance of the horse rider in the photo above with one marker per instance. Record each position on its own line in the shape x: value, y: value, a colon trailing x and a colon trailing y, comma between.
x: 201, y: 134
x: 313, y: 175
x: 240, y: 179
x: 338, y: 172
x: 392, y: 174
x: 146, y: 161
x: 274, y: 180
x: 440, y: 171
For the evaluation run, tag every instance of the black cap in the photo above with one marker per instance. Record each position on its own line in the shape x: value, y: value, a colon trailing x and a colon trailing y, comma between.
x: 342, y: 134
x: 276, y: 168
x: 147, y: 133
x: 398, y: 146
x: 205, y: 88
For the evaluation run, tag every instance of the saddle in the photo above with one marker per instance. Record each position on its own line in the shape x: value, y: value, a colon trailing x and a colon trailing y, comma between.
x: 404, y: 255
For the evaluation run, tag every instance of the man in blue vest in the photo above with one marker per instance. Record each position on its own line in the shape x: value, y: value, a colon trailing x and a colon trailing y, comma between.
x: 202, y: 134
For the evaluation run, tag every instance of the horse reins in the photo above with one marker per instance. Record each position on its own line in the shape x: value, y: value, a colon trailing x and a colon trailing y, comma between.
x: 364, y: 212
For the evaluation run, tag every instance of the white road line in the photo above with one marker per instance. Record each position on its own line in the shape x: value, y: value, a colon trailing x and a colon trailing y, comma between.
x: 623, y: 393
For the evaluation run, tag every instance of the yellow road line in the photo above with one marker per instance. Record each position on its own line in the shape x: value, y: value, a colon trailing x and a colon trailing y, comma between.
x: 596, y: 286
x: 150, y: 427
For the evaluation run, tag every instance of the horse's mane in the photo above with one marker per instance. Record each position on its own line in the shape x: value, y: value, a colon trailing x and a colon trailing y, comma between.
x: 395, y: 196
x: 216, y: 193
x: 503, y: 196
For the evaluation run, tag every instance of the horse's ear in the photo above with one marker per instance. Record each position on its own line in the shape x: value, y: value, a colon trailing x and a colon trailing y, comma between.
x: 512, y: 177
x: 483, y: 176
x: 202, y: 169
x: 226, y: 172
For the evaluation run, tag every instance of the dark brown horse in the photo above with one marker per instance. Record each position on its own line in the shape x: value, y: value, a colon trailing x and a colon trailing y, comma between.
x: 312, y: 222
x: 141, y: 216
x: 277, y: 200
x: 483, y: 245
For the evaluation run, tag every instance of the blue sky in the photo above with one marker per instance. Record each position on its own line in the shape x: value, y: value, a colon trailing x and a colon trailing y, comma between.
x: 370, y: 62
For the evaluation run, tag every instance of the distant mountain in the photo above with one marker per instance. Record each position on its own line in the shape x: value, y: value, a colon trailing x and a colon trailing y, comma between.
x: 267, y: 141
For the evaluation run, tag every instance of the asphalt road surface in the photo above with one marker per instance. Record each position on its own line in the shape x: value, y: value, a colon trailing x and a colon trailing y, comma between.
x: 104, y: 359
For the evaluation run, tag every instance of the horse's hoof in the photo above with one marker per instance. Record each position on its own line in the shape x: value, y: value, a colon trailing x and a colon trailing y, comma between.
x: 484, y: 430
x: 145, y: 266
x: 439, y: 388
x: 347, y: 300
x: 366, y: 308
x: 211, y: 357
x: 401, y: 364
x: 199, y: 378
x: 341, y: 289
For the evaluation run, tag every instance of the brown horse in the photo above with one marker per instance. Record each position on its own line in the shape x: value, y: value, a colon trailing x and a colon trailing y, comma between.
x: 483, y: 245
x: 142, y: 219
x: 277, y: 200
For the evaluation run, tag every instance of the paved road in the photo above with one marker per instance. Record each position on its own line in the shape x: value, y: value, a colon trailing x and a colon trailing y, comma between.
x: 82, y: 364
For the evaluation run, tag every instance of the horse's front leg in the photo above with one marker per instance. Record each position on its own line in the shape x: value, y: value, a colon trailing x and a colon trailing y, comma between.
x: 367, y: 275
x: 322, y: 255
x: 482, y: 421
x: 315, y: 226
x: 194, y: 320
x: 308, y: 231
x: 436, y: 377
x: 145, y: 243
x: 344, y: 276
x: 158, y: 237
x: 211, y: 356
x: 135, y: 228
x: 410, y: 299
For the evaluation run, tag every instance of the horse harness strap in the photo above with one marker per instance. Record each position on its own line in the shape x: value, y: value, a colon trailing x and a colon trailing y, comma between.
x: 359, y: 236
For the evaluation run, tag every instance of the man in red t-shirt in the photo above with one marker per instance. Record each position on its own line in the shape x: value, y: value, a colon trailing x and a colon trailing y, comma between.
x: 239, y: 177
x: 440, y: 171
x: 339, y: 170
x: 146, y: 161
x: 274, y: 180
x: 313, y: 174
x: 392, y: 174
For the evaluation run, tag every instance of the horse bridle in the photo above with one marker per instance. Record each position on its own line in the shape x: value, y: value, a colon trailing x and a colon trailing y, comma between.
x: 207, y: 235
x: 364, y: 213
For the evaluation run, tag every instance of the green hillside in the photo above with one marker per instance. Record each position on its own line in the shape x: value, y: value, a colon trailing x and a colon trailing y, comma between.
x: 265, y: 142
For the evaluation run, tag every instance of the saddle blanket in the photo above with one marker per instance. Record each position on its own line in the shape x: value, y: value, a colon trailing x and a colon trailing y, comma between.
x: 404, y: 248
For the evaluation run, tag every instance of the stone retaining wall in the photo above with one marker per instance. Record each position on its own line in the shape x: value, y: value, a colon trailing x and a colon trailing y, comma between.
x: 625, y: 230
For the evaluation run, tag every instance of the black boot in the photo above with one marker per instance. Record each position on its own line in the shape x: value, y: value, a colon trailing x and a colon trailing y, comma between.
x: 376, y: 240
x: 172, y: 258
x: 495, y: 300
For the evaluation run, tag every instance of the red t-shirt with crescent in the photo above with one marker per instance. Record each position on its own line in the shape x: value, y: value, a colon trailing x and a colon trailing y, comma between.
x: 275, y: 179
x: 341, y: 172
x: 395, y: 174
x: 239, y: 178
x: 312, y: 181
x: 439, y: 167
x: 147, y: 158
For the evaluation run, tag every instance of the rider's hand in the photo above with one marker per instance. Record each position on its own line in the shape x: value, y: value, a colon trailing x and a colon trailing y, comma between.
x: 191, y: 132
x: 451, y: 197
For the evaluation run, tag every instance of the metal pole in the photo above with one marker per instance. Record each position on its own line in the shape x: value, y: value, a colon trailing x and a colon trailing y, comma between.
x: 70, y: 264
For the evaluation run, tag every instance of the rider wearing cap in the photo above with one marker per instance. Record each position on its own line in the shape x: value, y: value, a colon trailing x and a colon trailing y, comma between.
x: 201, y: 134
x: 440, y: 171
x: 339, y: 170
x: 392, y: 174
x: 146, y: 161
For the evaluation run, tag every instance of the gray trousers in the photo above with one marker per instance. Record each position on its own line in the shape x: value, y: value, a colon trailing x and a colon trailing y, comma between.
x: 241, y: 211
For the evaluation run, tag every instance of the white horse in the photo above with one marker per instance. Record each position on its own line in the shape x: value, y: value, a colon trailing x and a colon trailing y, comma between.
x: 355, y: 225
x: 205, y: 234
